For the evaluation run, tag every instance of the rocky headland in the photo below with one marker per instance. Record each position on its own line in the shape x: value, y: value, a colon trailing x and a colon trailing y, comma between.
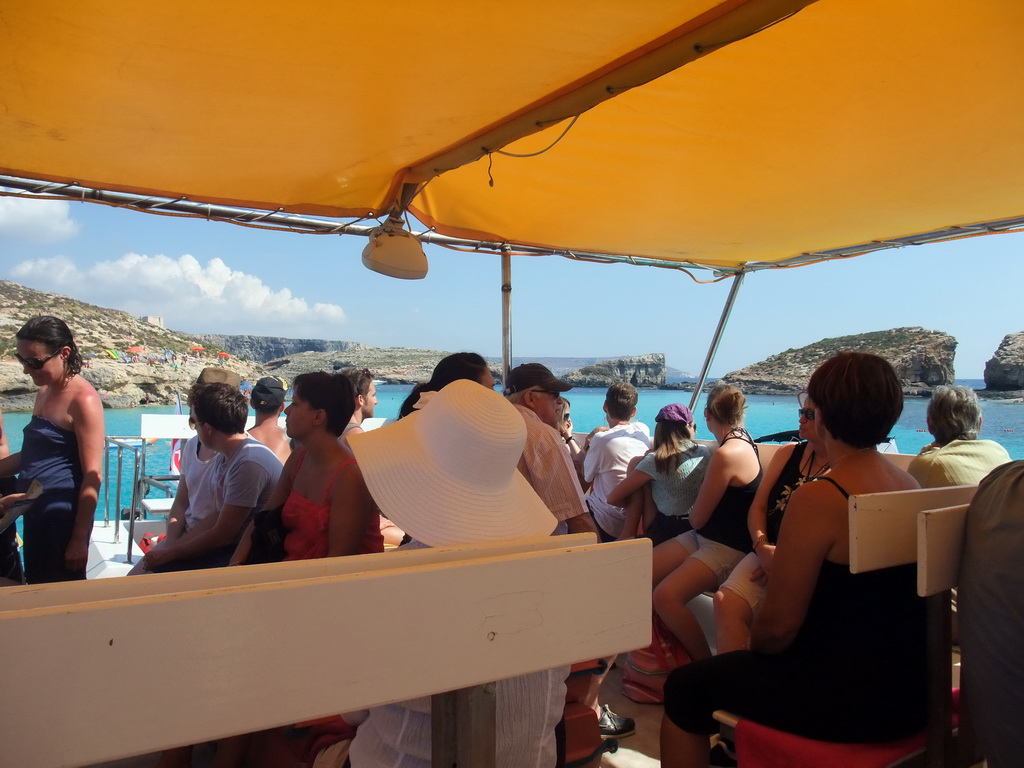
x: 392, y: 365
x: 642, y: 371
x: 1004, y: 373
x: 923, y: 359
x: 263, y: 349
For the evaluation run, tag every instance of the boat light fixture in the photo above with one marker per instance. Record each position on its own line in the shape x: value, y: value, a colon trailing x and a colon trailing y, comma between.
x: 395, y: 251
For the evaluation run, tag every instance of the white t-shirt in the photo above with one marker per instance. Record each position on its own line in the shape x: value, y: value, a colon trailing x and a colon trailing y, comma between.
x: 196, y: 471
x: 605, y: 466
x: 246, y: 479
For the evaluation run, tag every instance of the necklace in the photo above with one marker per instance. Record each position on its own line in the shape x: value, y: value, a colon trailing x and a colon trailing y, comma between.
x: 835, y: 462
x: 810, y: 464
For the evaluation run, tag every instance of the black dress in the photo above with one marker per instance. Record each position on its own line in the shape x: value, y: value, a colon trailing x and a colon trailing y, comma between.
x: 856, y: 671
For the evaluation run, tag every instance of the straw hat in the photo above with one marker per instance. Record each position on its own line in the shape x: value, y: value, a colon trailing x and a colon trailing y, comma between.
x: 447, y: 474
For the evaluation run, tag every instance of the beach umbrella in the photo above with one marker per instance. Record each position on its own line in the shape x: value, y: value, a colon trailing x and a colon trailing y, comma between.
x: 134, y: 350
x: 223, y: 354
x: 198, y: 348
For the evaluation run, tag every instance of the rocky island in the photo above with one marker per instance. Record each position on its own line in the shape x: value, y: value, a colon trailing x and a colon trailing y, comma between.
x: 923, y: 359
x: 1004, y: 373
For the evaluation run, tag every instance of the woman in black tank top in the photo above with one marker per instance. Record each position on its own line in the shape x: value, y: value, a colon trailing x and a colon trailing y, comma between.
x: 700, y: 560
x: 834, y: 656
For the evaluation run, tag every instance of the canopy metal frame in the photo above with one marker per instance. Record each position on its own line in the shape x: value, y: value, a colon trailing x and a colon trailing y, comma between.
x: 283, y: 221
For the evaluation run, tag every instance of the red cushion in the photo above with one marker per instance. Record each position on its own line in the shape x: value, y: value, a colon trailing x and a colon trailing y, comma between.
x: 758, y: 746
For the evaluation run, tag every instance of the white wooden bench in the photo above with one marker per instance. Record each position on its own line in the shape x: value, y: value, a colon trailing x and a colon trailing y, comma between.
x: 235, y: 650
x: 897, y: 528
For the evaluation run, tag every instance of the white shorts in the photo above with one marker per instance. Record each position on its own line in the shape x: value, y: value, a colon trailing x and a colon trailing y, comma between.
x: 739, y: 582
x: 719, y: 558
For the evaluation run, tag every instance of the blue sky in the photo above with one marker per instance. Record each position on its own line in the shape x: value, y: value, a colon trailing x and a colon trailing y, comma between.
x: 211, y: 277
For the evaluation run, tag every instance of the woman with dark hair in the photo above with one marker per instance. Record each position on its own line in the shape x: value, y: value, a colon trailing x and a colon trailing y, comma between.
x: 461, y: 365
x: 834, y: 656
x: 62, y: 449
x: 327, y: 509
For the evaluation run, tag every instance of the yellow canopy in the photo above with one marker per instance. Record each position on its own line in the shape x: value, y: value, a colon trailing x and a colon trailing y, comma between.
x: 723, y: 134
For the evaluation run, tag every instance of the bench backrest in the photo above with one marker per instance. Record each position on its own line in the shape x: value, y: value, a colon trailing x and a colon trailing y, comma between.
x: 312, y: 639
x: 940, y: 547
x: 883, y: 526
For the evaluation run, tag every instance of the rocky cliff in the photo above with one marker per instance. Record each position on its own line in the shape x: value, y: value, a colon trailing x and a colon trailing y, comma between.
x: 97, y: 329
x: 262, y: 349
x: 393, y: 365
x: 642, y: 371
x: 1005, y: 371
x: 923, y: 359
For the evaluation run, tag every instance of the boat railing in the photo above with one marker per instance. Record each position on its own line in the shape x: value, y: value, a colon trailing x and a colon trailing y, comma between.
x: 134, y: 450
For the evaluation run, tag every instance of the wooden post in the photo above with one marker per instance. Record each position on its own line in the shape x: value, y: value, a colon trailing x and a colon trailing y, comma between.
x: 463, y: 728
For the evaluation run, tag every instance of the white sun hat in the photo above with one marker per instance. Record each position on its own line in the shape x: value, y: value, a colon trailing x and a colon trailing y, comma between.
x: 447, y: 473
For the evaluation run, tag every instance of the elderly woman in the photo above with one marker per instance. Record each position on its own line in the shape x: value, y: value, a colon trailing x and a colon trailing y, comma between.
x: 957, y: 457
x: 834, y: 656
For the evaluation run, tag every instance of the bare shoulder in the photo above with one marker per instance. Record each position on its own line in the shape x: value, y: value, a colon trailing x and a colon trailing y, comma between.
x: 85, y: 400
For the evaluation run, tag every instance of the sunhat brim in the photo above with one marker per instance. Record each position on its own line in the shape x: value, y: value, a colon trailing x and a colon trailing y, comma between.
x: 426, y: 500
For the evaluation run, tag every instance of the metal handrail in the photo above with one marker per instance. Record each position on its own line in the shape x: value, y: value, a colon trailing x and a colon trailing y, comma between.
x: 140, y: 482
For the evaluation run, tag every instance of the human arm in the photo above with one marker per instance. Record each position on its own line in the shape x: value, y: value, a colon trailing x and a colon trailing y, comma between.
x: 5, y: 448
x: 241, y: 553
x: 86, y: 412
x: 757, y: 515
x: 634, y: 511
x: 716, y: 479
x: 282, y: 489
x: 221, y: 533
x: 176, y: 514
x: 650, y: 509
x: 352, y: 509
x: 634, y: 481
x: 591, y: 458
x: 10, y: 465
x: 814, y: 520
x: 248, y: 485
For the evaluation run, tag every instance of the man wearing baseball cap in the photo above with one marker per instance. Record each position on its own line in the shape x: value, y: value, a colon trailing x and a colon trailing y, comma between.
x: 535, y: 391
x: 267, y: 400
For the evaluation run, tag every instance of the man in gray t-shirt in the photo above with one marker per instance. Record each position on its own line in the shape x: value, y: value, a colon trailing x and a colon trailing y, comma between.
x: 242, y: 477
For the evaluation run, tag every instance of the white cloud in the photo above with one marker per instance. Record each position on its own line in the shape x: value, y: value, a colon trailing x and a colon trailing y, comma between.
x: 190, y: 296
x: 24, y: 220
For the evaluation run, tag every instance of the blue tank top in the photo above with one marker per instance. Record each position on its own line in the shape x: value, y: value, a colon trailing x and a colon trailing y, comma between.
x: 49, y: 454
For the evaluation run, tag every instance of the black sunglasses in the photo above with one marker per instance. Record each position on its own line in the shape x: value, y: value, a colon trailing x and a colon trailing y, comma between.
x: 35, y: 363
x: 807, y: 413
x: 548, y: 392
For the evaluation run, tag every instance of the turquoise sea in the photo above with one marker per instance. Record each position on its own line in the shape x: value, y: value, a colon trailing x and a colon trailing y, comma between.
x: 1004, y: 421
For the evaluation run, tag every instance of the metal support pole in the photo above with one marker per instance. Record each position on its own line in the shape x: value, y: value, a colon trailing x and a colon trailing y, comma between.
x: 106, y: 482
x: 506, y: 313
x: 117, y: 494
x: 462, y: 728
x: 136, y: 502
x: 717, y: 338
